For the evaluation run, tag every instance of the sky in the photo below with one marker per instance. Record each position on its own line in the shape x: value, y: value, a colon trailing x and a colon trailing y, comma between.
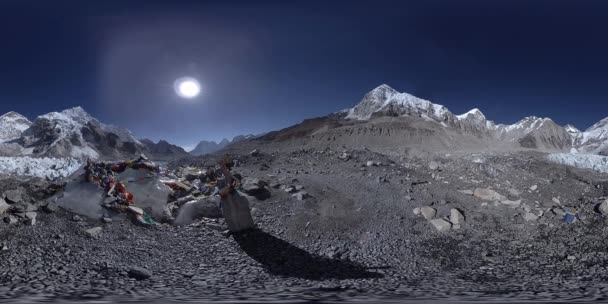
x: 265, y: 65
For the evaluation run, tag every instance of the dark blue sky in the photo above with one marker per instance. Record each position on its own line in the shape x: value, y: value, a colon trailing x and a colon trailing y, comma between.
x: 265, y: 65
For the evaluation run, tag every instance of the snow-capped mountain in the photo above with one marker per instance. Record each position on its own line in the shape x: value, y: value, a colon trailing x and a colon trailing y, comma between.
x: 530, y: 132
x: 594, y: 139
x: 208, y: 146
x: 74, y: 133
x: 386, y: 100
x: 12, y: 125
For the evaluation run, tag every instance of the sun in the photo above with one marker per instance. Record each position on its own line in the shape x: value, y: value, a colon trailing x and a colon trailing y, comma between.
x: 187, y: 87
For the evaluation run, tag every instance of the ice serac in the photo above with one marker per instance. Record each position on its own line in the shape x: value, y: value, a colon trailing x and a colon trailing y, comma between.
x: 12, y: 125
x: 385, y: 100
x: 75, y: 133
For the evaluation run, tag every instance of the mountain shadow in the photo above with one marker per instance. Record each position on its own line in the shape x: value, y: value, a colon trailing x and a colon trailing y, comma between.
x: 281, y: 258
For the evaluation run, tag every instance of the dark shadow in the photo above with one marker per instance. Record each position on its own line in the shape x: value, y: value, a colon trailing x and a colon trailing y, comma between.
x: 281, y: 258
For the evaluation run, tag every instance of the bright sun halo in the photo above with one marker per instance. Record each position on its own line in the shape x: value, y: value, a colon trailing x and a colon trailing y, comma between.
x: 187, y: 87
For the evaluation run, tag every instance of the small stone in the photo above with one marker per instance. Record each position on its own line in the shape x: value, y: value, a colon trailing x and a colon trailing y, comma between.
x: 488, y: 194
x: 290, y: 189
x: 428, y: 212
x: 106, y: 220
x: 511, y: 203
x: 467, y: 192
x: 302, y: 195
x: 555, y: 200
x: 416, y: 211
x: 514, y: 192
x: 139, y: 273
x: 299, y: 187
x: 370, y: 163
x: 94, y: 232
x: 559, y: 212
x: 571, y: 258
x: 530, y: 217
x: 433, y: 165
x: 533, y: 188
x: 255, y: 152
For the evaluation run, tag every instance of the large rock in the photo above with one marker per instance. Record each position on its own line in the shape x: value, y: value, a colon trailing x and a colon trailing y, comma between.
x: 441, y: 225
x: 488, y: 194
x: 456, y: 217
x: 603, y: 207
x: 14, y: 196
x: 252, y: 186
x: 428, y: 212
x: 208, y: 207
x: 139, y: 273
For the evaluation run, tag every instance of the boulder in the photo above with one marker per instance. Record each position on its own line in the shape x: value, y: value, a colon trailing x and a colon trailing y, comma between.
x: 488, y: 194
x: 14, y: 196
x: 428, y: 212
x: 603, y: 207
x: 456, y: 217
x: 253, y: 186
x: 139, y: 273
x: 441, y: 225
x: 93, y: 232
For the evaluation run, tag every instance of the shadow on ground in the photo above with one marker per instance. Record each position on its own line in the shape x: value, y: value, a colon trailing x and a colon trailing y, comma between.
x: 281, y: 258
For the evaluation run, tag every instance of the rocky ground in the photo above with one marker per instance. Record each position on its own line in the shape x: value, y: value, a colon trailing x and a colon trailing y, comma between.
x: 335, y: 225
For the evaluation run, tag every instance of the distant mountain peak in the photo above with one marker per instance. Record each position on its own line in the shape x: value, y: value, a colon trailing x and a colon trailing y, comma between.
x: 12, y: 125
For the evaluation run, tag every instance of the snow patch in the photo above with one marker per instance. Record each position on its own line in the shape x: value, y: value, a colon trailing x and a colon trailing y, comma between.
x: 38, y: 167
x: 586, y: 161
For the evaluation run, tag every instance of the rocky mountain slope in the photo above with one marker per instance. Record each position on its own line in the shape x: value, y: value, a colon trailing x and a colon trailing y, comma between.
x: 206, y: 147
x: 12, y: 124
x: 388, y: 121
x: 164, y: 149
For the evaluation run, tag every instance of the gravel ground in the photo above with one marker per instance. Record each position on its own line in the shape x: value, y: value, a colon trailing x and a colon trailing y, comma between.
x: 354, y: 238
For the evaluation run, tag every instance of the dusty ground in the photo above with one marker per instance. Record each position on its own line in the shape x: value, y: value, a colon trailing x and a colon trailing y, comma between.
x: 355, y: 238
